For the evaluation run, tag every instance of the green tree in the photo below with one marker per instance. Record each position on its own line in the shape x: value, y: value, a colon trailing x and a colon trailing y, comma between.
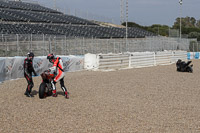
x: 194, y: 35
x: 193, y: 21
x: 185, y: 22
x: 132, y: 24
x: 198, y: 24
x: 189, y: 26
x: 176, y: 24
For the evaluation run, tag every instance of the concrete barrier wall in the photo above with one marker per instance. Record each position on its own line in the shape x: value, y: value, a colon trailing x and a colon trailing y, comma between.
x: 146, y: 59
x: 134, y: 60
x: 107, y: 61
x: 142, y: 59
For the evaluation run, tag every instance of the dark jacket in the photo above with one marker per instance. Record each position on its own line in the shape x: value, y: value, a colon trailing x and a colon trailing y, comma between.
x: 28, y: 67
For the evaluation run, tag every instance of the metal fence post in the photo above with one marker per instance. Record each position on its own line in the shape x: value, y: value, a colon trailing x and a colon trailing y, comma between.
x: 6, y: 46
x: 75, y: 51
x: 31, y: 42
x: 114, y: 46
x: 193, y: 46
x: 17, y: 45
x: 96, y: 42
x: 49, y: 44
x: 62, y: 46
x: 65, y: 45
x: 83, y: 46
x: 107, y: 47
x: 151, y: 47
x: 92, y: 50
x: 68, y: 46
x: 2, y: 41
x: 55, y: 42
x: 43, y: 44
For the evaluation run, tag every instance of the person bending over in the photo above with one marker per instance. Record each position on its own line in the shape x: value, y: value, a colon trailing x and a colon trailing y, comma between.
x: 59, y: 72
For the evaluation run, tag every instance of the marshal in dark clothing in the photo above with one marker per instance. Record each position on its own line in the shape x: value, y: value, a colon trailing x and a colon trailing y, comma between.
x: 28, y: 70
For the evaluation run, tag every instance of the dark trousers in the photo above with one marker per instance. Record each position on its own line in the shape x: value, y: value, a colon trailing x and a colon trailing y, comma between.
x: 30, y: 82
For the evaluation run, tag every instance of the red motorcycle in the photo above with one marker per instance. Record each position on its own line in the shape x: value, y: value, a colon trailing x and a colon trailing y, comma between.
x: 46, y: 86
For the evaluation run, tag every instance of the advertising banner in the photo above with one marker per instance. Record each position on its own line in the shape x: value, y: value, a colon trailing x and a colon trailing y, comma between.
x: 2, y: 68
x: 196, y: 55
x: 12, y: 67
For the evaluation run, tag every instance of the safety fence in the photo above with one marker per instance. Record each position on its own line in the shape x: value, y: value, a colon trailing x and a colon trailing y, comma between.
x: 132, y: 60
x: 42, y: 45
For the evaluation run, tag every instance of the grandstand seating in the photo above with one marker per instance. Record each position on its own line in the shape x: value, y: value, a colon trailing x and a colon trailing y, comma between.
x: 18, y: 17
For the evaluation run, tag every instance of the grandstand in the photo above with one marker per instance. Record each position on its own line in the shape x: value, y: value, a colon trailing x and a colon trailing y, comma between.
x: 17, y: 17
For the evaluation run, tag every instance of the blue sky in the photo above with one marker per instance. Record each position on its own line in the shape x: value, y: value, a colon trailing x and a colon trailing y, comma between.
x: 143, y: 12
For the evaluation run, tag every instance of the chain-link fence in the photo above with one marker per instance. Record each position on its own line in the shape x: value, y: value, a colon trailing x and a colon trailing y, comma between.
x: 194, y: 46
x: 19, y: 45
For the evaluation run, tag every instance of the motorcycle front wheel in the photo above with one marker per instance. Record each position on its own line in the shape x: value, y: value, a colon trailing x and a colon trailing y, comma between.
x: 42, y: 90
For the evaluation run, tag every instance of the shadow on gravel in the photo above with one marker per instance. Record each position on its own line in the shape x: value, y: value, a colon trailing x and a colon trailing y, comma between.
x: 34, y: 92
x: 61, y: 93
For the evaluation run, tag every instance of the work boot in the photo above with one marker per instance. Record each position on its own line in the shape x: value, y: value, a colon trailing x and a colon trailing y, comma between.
x: 54, y: 93
x: 28, y: 94
x: 66, y: 95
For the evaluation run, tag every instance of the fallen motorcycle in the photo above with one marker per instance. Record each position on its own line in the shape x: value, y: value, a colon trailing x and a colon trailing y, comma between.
x: 45, y: 88
x: 183, y: 66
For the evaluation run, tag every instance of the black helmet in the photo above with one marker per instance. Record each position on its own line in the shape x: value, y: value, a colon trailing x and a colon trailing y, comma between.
x: 30, y: 55
x: 50, y: 57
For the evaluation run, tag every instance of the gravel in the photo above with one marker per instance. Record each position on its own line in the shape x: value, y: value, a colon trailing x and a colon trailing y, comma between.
x: 143, y: 100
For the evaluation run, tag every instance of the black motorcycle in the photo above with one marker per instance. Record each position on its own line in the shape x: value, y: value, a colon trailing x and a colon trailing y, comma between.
x: 183, y: 66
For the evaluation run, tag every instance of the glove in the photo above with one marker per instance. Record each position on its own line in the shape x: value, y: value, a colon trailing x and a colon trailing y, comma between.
x: 47, y: 71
